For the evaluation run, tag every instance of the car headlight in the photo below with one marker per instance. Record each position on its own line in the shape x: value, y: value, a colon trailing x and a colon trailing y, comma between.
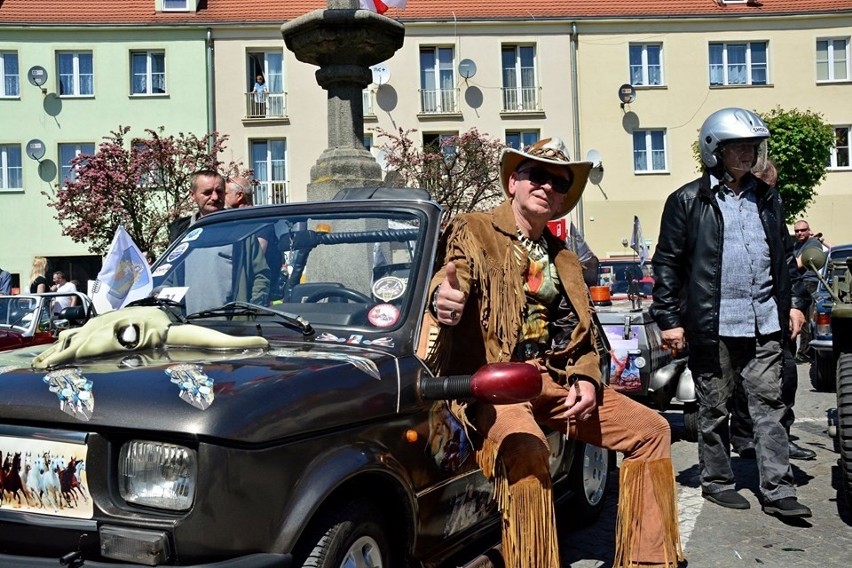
x: 157, y: 475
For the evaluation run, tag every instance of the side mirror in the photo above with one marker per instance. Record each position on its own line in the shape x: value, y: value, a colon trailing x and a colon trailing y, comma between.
x: 496, y: 383
x: 813, y: 258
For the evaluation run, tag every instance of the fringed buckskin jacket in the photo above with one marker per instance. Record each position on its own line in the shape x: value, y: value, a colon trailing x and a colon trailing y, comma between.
x: 482, y: 246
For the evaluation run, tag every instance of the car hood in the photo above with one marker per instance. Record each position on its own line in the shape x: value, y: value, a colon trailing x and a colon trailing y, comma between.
x: 253, y: 396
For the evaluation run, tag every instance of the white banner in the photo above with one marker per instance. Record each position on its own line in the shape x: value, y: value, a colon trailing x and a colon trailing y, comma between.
x: 124, y: 277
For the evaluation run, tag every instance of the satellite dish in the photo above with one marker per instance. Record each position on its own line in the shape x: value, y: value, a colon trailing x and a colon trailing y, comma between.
x: 37, y: 75
x: 596, y: 173
x: 381, y: 73
x: 35, y: 149
x: 467, y: 68
x: 626, y: 94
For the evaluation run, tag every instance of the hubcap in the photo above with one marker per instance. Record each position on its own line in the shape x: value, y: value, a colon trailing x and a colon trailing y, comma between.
x: 364, y: 553
x: 595, y: 473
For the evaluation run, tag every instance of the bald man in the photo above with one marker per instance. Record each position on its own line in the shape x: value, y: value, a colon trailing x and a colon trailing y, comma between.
x: 238, y: 193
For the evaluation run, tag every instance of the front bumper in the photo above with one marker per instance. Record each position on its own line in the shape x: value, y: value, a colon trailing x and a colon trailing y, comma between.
x: 249, y: 561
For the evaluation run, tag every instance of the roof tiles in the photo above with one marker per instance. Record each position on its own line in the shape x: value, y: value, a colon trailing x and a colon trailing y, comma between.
x: 141, y: 12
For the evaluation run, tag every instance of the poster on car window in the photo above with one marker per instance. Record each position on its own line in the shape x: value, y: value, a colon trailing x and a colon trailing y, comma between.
x: 625, y: 360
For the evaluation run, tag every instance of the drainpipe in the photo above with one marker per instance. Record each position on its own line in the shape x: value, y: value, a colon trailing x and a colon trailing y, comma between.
x: 575, y: 108
x: 211, y: 98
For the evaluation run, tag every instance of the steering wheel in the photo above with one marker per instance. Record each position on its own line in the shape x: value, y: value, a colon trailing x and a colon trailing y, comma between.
x: 347, y: 294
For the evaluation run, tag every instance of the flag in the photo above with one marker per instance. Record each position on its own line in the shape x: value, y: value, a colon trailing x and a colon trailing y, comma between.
x: 125, y: 275
x: 577, y: 243
x: 381, y: 6
x: 637, y: 242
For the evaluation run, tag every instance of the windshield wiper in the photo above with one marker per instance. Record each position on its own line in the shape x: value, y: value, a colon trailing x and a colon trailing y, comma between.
x: 248, y: 309
x: 171, y: 307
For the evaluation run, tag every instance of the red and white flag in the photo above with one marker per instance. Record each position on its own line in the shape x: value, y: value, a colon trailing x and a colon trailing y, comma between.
x: 381, y: 6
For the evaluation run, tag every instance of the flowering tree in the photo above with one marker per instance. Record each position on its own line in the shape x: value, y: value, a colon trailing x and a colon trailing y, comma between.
x: 142, y: 184
x: 461, y: 172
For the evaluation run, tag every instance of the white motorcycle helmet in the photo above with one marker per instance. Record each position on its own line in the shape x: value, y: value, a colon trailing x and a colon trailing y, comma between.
x: 730, y: 125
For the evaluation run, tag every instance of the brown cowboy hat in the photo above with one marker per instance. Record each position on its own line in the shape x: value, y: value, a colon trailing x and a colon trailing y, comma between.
x: 547, y: 151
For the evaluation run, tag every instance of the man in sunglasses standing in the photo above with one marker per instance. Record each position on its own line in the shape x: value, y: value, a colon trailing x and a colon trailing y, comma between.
x: 805, y: 240
x: 509, y: 290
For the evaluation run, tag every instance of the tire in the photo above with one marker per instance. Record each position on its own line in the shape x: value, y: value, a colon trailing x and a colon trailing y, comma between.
x: 844, y: 422
x: 690, y: 421
x: 823, y: 373
x: 344, y: 533
x: 588, y: 480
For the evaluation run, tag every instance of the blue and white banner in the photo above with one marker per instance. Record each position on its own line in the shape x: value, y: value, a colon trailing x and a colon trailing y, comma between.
x: 125, y: 275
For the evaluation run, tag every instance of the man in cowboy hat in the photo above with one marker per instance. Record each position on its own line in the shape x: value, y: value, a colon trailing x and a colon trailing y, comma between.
x: 510, y: 291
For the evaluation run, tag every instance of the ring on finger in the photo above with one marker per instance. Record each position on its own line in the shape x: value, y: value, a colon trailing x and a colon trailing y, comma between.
x: 453, y: 315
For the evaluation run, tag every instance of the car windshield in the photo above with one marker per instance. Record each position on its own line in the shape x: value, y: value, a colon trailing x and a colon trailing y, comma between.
x: 16, y: 312
x: 835, y: 265
x: 619, y: 274
x: 332, y: 269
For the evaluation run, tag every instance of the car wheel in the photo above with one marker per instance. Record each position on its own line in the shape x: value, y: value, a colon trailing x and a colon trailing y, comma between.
x: 588, y: 480
x: 690, y: 421
x: 351, y: 536
x: 844, y: 421
x: 823, y: 373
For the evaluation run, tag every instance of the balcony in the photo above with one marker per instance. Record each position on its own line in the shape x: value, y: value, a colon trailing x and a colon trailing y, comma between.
x: 521, y: 99
x: 271, y: 192
x: 266, y: 106
x: 439, y: 101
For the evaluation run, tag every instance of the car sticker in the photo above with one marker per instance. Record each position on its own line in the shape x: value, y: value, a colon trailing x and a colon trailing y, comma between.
x: 178, y: 252
x: 380, y: 342
x: 46, y: 477
x: 196, y: 387
x: 362, y: 363
x: 160, y: 270
x: 383, y: 315
x: 74, y: 392
x: 389, y: 288
x: 447, y: 443
x: 192, y: 235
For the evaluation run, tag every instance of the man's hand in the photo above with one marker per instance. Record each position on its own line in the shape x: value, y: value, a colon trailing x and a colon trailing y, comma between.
x: 674, y: 338
x: 449, y: 302
x: 797, y: 321
x: 581, y: 401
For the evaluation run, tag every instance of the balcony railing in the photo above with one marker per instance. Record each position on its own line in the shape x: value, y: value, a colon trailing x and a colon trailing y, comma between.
x: 438, y: 101
x: 271, y: 192
x: 521, y: 99
x: 266, y: 105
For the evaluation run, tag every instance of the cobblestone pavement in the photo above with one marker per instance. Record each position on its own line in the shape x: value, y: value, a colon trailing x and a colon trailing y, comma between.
x: 713, y: 536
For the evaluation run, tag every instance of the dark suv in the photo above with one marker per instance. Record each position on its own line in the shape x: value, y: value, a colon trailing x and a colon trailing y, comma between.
x: 287, y: 428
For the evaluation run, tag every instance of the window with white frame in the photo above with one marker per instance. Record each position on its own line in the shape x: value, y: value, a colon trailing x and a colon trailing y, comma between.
x: 443, y: 142
x: 437, y: 80
x: 520, y: 139
x: 11, y: 168
x: 10, y: 85
x: 76, y: 73
x: 148, y: 69
x: 741, y: 63
x: 520, y: 88
x: 832, y: 59
x: 266, y: 98
x: 840, y: 153
x: 67, y: 152
x: 175, y: 5
x: 269, y: 159
x: 649, y: 151
x: 646, y: 64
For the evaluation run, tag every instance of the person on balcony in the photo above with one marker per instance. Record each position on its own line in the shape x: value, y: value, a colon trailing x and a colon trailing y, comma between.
x: 261, y: 92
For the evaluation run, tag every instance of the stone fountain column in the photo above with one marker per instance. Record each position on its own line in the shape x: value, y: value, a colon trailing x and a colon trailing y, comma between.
x: 344, y: 42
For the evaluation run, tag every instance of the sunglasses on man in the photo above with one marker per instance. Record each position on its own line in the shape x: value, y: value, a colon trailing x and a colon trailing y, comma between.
x: 541, y: 176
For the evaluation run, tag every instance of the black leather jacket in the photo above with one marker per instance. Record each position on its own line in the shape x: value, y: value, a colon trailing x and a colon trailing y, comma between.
x: 688, y: 257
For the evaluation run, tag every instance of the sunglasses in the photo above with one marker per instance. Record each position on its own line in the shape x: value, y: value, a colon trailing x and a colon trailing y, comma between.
x: 541, y: 176
x: 801, y: 230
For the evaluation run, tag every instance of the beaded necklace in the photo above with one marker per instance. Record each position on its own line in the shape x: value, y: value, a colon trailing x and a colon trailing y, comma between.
x: 537, y: 249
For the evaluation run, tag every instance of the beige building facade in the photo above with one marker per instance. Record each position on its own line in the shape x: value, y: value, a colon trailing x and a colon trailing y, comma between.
x: 524, y: 87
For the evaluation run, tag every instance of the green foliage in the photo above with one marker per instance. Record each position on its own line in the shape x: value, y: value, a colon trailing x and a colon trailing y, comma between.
x: 800, y: 146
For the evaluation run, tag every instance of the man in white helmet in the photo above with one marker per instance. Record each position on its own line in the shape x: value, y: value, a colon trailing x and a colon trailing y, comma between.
x: 727, y: 284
